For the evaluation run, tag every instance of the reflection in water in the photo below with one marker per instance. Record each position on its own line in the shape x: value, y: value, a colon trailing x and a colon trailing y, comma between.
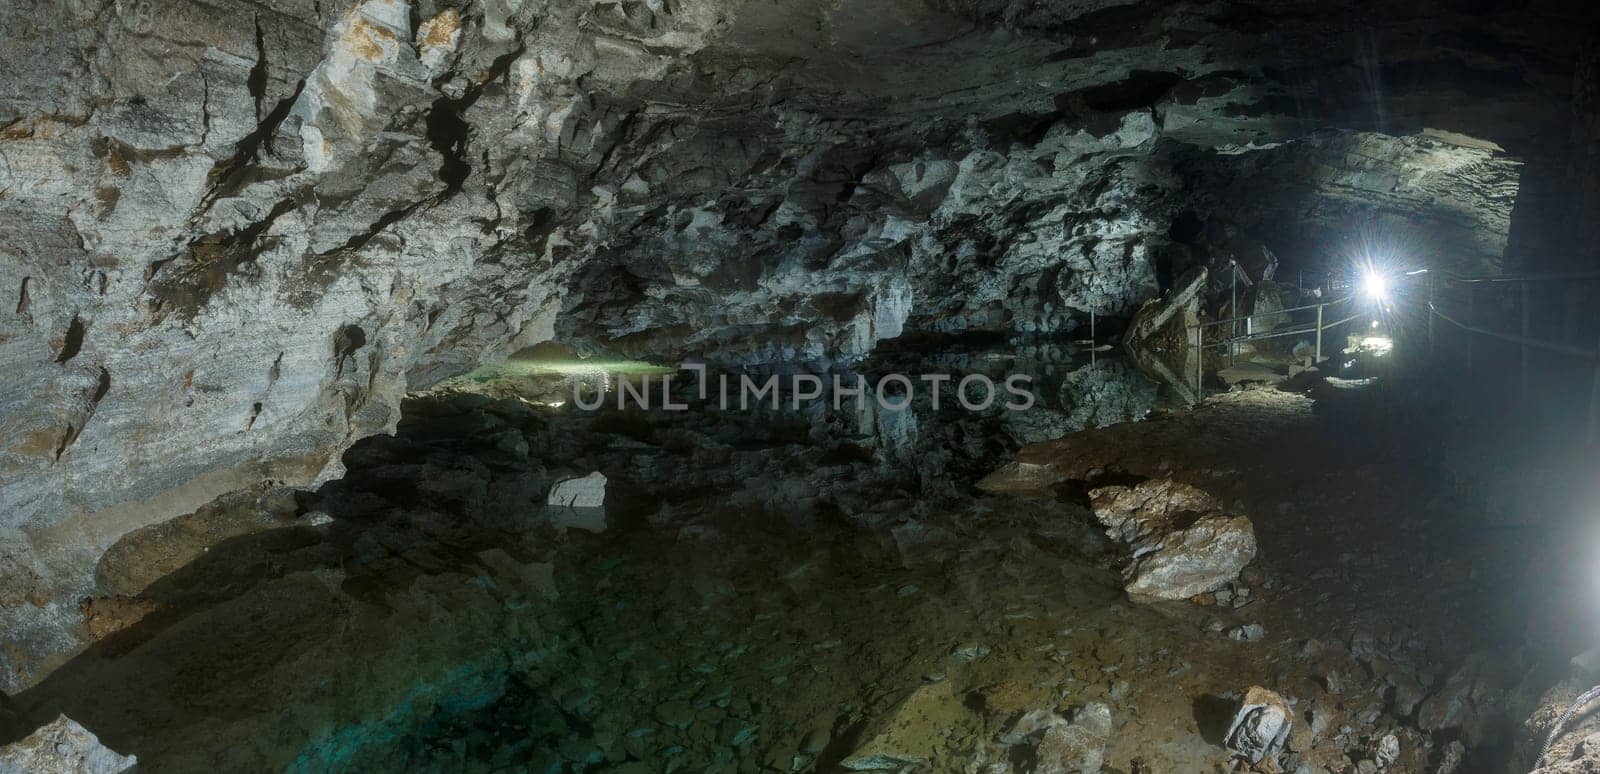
x: 1072, y: 392
x: 758, y: 582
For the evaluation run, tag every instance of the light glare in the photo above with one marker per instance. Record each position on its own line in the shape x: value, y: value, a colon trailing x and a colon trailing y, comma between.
x: 1376, y: 286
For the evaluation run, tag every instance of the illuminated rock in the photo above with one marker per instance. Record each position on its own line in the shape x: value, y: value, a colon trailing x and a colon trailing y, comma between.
x: 63, y: 746
x: 1261, y: 726
x: 586, y: 492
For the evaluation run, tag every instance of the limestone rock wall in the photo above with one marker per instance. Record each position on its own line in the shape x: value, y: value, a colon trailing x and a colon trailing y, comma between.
x: 235, y: 234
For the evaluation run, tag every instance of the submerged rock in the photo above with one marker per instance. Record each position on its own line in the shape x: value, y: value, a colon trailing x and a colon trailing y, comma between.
x: 63, y: 746
x: 586, y: 492
x: 1261, y: 726
x: 909, y: 733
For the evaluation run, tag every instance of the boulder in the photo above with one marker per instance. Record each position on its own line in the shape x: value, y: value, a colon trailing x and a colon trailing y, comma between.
x: 1148, y: 510
x: 63, y: 746
x: 1386, y: 751
x: 585, y: 492
x: 1191, y: 561
x: 1182, y: 542
x: 1261, y: 726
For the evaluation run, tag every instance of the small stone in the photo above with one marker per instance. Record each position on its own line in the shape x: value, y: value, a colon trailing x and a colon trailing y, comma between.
x: 1322, y: 719
x: 586, y: 492
x: 677, y: 714
x: 1078, y: 747
x: 1247, y: 633
x: 1386, y: 752
x: 1032, y: 723
x: 815, y: 742
x: 1261, y: 727
x: 970, y: 651
x: 1451, y: 758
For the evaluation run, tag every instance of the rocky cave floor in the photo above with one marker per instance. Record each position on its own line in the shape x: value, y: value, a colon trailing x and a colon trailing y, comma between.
x: 817, y: 589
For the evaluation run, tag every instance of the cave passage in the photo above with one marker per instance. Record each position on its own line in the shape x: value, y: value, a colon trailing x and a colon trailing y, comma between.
x: 972, y: 386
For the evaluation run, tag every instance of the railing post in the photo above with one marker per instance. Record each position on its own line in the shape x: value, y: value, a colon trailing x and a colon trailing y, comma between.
x: 1233, y: 308
x: 1199, y: 363
x: 1316, y: 358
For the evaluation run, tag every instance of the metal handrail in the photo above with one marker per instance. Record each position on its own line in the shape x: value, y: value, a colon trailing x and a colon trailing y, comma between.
x: 1491, y: 278
x: 1551, y: 346
x: 1278, y: 333
x: 1525, y: 341
x: 1316, y: 328
x: 1247, y: 317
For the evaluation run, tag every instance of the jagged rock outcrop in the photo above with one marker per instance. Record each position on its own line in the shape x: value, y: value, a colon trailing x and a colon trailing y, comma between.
x: 238, y: 234
x: 63, y: 745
